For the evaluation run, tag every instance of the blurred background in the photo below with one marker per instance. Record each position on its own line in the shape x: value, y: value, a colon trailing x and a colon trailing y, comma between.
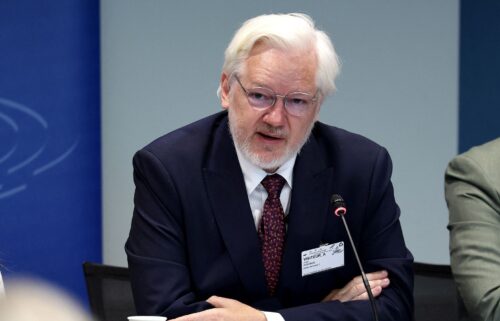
x: 86, y: 83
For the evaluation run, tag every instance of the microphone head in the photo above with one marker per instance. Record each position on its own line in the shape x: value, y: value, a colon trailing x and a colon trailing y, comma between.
x: 338, y: 205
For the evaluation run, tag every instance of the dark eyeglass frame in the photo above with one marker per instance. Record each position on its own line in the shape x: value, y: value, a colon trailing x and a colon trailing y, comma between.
x: 303, y: 101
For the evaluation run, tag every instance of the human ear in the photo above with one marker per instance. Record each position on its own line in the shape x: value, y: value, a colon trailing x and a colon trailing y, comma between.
x: 224, y: 90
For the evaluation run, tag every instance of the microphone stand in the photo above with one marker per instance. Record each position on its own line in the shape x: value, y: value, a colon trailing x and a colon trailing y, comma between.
x: 363, y: 275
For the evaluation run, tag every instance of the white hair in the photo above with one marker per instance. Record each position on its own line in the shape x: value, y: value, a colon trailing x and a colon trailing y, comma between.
x: 286, y: 31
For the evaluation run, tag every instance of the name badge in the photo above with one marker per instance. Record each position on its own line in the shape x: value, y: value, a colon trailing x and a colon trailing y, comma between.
x: 325, y: 257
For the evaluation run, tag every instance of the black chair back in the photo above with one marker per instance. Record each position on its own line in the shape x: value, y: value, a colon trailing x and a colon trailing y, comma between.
x: 436, y: 296
x: 109, y: 290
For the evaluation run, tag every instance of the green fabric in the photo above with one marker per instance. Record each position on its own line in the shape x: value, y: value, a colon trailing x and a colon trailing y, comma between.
x: 472, y: 189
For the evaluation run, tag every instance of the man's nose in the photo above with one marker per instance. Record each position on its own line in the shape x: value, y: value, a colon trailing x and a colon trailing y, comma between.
x: 276, y: 115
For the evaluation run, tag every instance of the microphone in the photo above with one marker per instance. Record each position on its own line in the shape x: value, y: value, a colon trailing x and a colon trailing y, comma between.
x: 339, y: 209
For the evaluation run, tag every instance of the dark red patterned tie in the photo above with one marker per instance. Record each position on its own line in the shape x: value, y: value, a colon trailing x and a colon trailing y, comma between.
x: 272, y: 230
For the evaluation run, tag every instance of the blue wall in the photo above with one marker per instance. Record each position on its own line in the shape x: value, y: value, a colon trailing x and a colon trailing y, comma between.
x: 479, y: 72
x: 50, y: 180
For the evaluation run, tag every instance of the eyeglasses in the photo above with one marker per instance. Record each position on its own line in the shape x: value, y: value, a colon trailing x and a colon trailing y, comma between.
x: 296, y: 103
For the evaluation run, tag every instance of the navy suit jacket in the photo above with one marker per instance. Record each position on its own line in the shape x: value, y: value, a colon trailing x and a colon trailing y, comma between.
x: 193, y: 233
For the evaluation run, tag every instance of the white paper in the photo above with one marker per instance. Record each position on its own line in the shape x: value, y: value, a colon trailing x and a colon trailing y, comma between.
x: 325, y: 257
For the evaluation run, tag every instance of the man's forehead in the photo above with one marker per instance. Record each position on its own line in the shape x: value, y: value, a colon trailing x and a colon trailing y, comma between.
x: 293, y: 67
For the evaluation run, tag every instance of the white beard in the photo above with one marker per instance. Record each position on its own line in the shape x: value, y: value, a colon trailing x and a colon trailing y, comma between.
x: 244, y: 146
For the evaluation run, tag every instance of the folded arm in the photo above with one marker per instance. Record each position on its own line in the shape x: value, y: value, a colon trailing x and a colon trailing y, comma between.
x: 226, y: 309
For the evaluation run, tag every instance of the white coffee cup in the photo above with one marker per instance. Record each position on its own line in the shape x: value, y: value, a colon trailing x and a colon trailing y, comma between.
x: 146, y: 318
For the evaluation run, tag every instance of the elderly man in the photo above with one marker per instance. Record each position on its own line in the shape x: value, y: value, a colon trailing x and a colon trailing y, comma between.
x: 232, y: 216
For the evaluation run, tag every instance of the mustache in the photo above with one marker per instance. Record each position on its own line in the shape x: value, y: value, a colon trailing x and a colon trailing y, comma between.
x: 278, y: 132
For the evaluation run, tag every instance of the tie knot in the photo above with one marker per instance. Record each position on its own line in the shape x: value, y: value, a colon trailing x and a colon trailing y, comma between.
x: 273, y: 184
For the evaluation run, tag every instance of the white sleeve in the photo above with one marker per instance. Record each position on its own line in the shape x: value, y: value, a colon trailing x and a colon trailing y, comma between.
x: 2, y: 290
x: 273, y: 316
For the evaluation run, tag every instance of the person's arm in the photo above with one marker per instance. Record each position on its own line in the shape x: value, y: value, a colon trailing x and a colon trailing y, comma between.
x: 156, y: 245
x: 232, y: 310
x: 474, y: 224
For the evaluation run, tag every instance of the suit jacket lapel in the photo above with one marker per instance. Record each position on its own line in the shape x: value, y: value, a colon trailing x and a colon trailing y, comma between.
x: 227, y: 193
x: 312, y: 184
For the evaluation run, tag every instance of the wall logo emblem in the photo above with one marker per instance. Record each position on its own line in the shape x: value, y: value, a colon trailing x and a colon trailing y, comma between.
x: 27, y: 147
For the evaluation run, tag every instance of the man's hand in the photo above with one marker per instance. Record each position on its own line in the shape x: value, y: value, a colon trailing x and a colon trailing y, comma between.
x: 355, y: 290
x: 225, y: 310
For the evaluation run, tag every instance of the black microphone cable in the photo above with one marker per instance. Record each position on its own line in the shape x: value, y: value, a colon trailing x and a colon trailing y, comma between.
x: 339, y: 209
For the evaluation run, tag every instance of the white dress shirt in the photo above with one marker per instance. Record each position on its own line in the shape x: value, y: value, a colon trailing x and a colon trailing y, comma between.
x: 257, y: 195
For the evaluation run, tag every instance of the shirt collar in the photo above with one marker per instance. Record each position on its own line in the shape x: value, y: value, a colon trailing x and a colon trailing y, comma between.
x: 254, y: 175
